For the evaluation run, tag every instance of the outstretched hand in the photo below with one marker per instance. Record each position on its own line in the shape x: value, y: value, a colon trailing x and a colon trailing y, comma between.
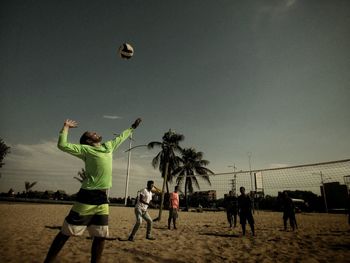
x: 136, y: 123
x: 70, y: 124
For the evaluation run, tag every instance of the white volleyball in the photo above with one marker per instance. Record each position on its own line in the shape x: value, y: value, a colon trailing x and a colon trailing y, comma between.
x: 126, y: 51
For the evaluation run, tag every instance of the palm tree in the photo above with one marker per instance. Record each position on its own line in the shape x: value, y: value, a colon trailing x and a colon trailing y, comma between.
x: 29, y: 186
x: 166, y: 160
x: 4, y: 150
x: 82, y: 175
x: 192, y: 165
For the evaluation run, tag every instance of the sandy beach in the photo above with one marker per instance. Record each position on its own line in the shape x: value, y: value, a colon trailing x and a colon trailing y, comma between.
x: 27, y: 231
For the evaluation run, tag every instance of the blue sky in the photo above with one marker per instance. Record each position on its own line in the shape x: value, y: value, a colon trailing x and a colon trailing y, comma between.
x: 270, y: 78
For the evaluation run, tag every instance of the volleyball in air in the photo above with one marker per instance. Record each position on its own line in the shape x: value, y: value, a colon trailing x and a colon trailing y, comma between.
x: 126, y: 51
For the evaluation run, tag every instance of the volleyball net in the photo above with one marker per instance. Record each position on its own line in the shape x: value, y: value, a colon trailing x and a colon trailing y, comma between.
x: 307, y: 177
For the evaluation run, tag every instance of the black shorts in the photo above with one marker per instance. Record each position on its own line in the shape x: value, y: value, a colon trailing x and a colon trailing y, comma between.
x: 244, y: 217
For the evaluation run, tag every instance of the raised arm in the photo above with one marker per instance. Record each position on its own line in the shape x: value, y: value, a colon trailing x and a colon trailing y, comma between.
x: 74, y: 149
x: 125, y: 134
x: 69, y: 124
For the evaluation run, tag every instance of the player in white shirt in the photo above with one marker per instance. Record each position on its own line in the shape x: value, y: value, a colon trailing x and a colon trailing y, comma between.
x: 144, y: 197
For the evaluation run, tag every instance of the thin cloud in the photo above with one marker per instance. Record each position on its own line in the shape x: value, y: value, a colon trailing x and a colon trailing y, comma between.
x: 270, y: 11
x: 290, y: 3
x: 43, y: 163
x: 280, y: 7
x: 54, y: 169
x: 111, y: 117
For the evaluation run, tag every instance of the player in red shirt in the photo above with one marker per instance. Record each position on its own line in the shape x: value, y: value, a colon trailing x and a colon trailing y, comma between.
x: 173, y: 207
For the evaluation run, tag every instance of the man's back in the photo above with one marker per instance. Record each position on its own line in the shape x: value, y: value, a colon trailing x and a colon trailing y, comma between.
x: 232, y: 203
x: 174, y: 200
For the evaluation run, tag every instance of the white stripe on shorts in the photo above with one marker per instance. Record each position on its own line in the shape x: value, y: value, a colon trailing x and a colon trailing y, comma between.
x: 75, y: 230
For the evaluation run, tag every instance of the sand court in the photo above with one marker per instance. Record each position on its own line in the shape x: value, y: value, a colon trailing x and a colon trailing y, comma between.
x: 28, y: 229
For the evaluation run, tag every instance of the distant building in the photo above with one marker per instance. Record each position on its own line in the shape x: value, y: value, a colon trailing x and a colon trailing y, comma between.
x: 205, y: 195
x: 336, y: 195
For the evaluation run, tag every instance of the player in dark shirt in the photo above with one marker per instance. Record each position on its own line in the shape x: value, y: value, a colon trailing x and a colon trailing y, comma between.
x: 231, y: 206
x: 245, y: 211
x: 288, y: 212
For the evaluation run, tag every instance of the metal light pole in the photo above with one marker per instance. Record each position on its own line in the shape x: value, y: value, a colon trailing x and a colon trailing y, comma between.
x: 128, y: 171
x: 250, y: 171
x: 234, y: 181
x: 251, y: 180
x: 324, y: 193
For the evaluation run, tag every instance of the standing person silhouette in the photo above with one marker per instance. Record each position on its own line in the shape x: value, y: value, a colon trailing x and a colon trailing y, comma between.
x: 288, y: 212
x: 91, y: 209
x: 173, y: 207
x: 245, y: 211
x: 231, y: 205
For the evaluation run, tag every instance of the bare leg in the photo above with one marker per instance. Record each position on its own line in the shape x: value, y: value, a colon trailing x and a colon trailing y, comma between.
x: 252, y: 228
x: 97, y: 249
x: 229, y: 218
x: 169, y: 222
x: 285, y: 224
x: 243, y: 229
x: 295, y: 222
x: 56, y: 247
x: 291, y: 223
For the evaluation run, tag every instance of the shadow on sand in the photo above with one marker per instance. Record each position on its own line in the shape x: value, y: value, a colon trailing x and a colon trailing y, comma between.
x: 53, y: 227
x: 149, y: 256
x: 219, y: 234
x: 341, y: 247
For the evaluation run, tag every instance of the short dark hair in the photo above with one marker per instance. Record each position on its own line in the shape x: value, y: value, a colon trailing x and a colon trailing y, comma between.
x: 150, y: 182
x: 242, y: 187
x: 84, y: 138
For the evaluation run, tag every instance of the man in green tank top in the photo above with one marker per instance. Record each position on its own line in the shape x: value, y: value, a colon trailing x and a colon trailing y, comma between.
x: 91, y: 209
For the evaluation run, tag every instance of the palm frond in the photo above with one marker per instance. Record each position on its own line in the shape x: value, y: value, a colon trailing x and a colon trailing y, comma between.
x: 156, y: 160
x: 203, y: 170
x: 80, y: 180
x: 151, y: 145
x: 204, y: 162
x: 29, y: 185
x: 195, y: 181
